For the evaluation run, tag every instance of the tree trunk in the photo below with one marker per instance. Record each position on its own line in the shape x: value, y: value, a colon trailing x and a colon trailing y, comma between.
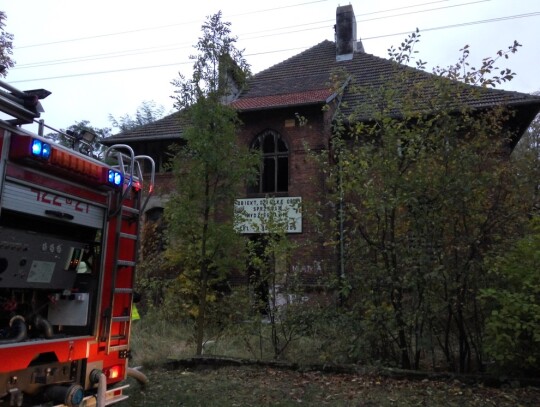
x: 202, y: 311
x: 203, y: 282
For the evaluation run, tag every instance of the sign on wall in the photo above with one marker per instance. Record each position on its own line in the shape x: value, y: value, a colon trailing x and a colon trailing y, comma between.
x: 266, y: 215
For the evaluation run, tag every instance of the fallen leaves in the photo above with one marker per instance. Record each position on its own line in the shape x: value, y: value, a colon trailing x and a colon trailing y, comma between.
x: 249, y: 386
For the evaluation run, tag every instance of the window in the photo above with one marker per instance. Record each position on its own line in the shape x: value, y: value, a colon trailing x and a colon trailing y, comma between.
x: 274, y: 168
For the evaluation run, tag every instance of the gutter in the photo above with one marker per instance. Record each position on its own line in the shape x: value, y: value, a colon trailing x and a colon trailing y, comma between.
x: 114, y: 140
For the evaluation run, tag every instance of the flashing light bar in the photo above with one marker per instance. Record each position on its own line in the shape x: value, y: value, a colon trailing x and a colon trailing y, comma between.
x: 41, y: 149
x: 26, y: 147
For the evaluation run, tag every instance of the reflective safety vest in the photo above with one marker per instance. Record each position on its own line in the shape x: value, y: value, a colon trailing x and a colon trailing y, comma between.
x: 135, y: 313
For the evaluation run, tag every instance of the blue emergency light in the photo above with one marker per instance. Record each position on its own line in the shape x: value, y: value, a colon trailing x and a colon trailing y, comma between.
x: 115, y: 178
x: 40, y: 149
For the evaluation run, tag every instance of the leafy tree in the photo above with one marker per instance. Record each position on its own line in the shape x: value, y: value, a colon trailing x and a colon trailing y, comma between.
x: 6, y: 47
x: 209, y: 170
x: 512, y: 326
x: 147, y: 112
x: 426, y: 192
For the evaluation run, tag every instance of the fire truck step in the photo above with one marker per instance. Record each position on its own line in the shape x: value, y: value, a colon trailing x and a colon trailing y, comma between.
x: 130, y: 209
x: 126, y: 263
x: 121, y: 319
x: 123, y: 290
x: 128, y: 236
x: 118, y: 338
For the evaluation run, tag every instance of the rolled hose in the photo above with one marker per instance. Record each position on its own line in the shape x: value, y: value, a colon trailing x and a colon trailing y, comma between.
x: 17, y: 331
x: 137, y: 375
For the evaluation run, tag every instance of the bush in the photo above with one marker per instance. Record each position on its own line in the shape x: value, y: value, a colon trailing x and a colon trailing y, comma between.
x: 513, y: 327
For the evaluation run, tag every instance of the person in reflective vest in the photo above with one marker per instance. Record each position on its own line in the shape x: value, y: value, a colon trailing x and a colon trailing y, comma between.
x: 135, y: 316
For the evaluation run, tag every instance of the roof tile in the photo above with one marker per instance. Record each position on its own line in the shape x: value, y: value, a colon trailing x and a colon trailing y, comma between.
x: 287, y: 99
x: 306, y: 79
x: 166, y: 128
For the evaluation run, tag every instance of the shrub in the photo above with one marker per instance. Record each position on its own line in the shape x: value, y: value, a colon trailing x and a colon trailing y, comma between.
x: 513, y: 327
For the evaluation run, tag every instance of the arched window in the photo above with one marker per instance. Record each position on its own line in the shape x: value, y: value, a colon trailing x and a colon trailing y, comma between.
x: 274, y: 167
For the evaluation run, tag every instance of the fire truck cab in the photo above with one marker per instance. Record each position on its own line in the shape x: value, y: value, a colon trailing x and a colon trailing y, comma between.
x: 69, y: 237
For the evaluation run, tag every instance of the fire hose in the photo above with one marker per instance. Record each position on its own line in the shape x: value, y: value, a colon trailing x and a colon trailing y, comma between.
x: 137, y: 375
x: 17, y: 330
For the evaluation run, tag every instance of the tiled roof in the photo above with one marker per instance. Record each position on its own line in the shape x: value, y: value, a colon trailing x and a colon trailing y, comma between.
x: 305, y: 78
x: 167, y: 128
x: 307, y: 97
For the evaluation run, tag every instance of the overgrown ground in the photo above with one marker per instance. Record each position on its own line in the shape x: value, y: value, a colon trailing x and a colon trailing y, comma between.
x: 259, y: 386
x: 156, y: 342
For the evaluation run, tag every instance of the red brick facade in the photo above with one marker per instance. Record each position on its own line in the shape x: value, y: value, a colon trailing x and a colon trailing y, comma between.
x: 306, y: 130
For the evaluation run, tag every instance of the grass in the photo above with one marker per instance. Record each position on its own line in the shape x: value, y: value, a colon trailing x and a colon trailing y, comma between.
x: 156, y: 340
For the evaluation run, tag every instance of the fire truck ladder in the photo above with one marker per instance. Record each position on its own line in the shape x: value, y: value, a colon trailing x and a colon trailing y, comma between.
x: 127, y: 208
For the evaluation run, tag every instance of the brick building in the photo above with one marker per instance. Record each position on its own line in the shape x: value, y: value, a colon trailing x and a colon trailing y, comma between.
x: 283, y: 113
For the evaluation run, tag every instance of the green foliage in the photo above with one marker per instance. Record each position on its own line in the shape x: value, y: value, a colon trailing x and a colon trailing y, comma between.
x: 278, y: 290
x: 488, y: 75
x: 219, y: 67
x: 209, y: 171
x: 425, y: 192
x: 287, y: 332
x: 6, y: 47
x: 527, y: 153
x: 513, y: 326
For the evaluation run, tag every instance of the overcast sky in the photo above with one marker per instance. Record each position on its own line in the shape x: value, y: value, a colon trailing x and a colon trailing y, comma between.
x: 101, y: 58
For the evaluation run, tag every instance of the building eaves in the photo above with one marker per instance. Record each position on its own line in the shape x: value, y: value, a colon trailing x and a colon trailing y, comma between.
x: 319, y: 96
x: 167, y: 128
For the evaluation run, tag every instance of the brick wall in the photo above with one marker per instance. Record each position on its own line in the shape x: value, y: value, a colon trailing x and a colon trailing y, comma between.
x: 305, y: 179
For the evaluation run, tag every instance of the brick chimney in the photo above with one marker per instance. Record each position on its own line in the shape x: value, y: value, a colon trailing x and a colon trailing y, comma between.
x: 345, y: 34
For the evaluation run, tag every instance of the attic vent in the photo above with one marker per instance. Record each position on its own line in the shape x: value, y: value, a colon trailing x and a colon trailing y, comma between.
x: 346, y: 33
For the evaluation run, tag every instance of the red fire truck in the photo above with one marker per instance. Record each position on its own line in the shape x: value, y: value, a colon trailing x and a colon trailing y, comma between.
x: 69, y: 235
